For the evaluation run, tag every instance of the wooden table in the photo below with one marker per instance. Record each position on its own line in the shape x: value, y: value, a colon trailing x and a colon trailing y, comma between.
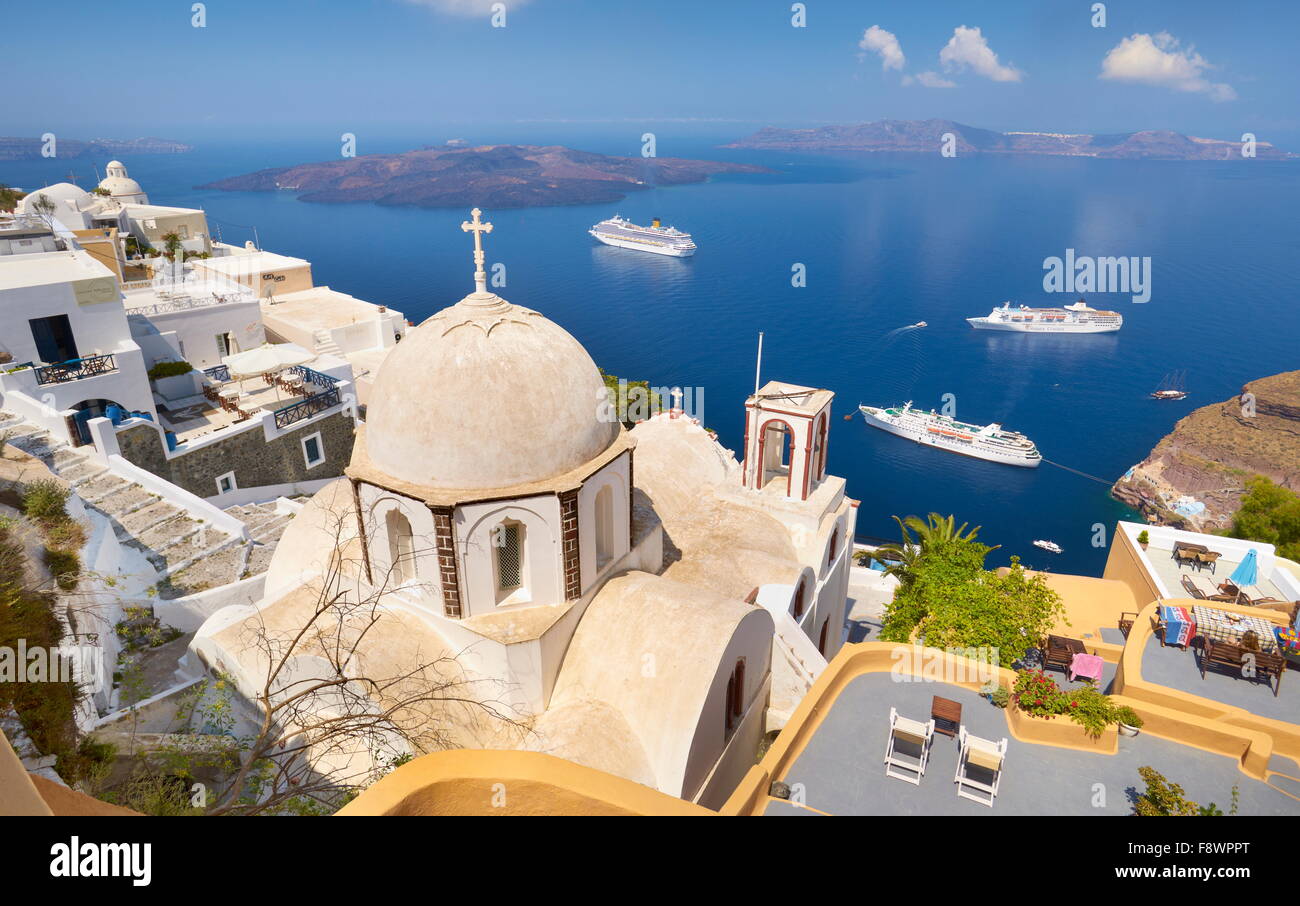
x: 946, y: 714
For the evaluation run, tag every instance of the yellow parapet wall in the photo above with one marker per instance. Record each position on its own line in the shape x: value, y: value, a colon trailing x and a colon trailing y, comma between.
x: 478, y: 782
x: 1198, y: 721
x: 492, y: 782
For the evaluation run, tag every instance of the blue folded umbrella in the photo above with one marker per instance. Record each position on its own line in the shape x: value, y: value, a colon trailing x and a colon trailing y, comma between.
x: 1247, y: 572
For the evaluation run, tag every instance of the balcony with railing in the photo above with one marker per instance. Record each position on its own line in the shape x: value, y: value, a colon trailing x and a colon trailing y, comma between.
x: 306, y: 408
x: 75, y: 369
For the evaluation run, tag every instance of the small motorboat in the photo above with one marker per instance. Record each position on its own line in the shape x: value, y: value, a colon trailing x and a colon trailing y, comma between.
x: 917, y: 324
x: 1172, y: 387
x: 1048, y: 546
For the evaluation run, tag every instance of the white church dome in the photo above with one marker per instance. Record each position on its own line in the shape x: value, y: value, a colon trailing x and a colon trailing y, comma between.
x: 486, y: 394
x: 117, y: 183
x: 64, y: 195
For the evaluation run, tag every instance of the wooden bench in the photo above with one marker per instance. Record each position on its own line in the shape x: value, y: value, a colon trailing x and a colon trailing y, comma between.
x: 1060, y: 651
x: 1224, y: 654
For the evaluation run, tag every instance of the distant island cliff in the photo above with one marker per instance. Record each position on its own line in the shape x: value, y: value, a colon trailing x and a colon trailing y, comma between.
x: 496, y: 176
x: 926, y: 136
x: 1212, y: 453
x: 30, y: 148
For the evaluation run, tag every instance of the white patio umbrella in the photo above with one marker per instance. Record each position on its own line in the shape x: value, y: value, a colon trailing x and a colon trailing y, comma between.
x: 268, y: 358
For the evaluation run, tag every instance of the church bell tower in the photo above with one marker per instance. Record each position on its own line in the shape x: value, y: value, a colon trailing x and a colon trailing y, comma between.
x: 786, y: 430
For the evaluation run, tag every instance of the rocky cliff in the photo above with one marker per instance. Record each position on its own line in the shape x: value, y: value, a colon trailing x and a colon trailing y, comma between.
x: 1213, y: 451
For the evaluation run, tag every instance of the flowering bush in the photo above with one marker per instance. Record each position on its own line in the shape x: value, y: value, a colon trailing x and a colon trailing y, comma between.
x: 1037, y: 694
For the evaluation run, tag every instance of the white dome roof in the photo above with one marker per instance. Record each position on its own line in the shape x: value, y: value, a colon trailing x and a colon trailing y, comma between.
x: 121, y: 185
x: 486, y: 394
x: 60, y: 193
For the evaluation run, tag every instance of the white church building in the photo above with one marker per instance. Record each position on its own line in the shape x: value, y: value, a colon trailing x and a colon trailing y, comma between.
x: 649, y: 605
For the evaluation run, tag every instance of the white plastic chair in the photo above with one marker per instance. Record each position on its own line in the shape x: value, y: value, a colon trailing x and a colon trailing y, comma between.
x: 913, y: 735
x: 986, y: 756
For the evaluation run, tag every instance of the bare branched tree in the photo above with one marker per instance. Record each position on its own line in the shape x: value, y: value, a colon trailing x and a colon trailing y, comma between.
x: 333, y: 714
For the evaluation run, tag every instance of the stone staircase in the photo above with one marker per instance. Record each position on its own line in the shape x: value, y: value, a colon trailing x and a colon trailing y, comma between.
x: 266, y: 525
x: 189, y: 555
x: 323, y: 341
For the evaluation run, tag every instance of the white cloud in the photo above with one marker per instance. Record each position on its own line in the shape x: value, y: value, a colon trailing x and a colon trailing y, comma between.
x: 1160, y: 61
x: 467, y: 8
x: 931, y: 80
x: 876, y: 40
x: 968, y: 48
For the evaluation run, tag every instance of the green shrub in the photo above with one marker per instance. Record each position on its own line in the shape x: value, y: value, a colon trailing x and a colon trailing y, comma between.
x: 65, y: 567
x: 1144, y: 537
x: 65, y: 534
x: 1126, y: 715
x: 1162, y: 798
x: 1089, y: 709
x: 45, y: 499
x: 1001, y: 696
x: 169, y: 369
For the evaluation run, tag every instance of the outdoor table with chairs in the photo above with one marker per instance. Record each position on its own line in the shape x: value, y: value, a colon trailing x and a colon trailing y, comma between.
x: 1223, y: 626
x: 1197, y: 555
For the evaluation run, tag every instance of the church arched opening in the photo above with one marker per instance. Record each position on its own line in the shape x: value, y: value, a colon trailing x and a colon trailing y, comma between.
x: 401, y: 547
x: 604, y: 526
x: 775, y: 450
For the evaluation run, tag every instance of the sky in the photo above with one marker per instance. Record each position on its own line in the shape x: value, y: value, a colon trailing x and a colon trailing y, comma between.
x: 259, y: 69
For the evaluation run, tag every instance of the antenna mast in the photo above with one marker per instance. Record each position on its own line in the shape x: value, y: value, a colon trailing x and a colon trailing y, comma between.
x: 758, y: 366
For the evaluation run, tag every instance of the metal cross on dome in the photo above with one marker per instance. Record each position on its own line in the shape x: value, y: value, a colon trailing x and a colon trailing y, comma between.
x: 476, y: 226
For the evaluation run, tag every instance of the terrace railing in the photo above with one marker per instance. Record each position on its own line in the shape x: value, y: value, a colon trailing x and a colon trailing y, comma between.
x: 187, y: 303
x: 311, y: 376
x: 306, y: 408
x: 218, y: 373
x: 75, y: 369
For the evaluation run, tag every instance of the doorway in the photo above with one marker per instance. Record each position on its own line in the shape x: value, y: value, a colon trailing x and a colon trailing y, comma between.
x: 54, y: 341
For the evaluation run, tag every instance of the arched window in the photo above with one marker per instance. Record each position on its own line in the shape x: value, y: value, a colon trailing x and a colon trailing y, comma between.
x: 830, y: 553
x: 508, y: 557
x: 401, y: 548
x: 604, y: 526
x: 735, y: 703
x: 821, y: 642
x: 798, y: 600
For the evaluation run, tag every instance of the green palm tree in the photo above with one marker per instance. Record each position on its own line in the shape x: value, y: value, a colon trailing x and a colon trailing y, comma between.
x: 935, y: 529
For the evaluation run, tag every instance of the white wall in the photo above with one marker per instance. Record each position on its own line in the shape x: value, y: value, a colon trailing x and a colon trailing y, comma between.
x: 196, y: 329
x: 615, y: 477
x: 424, y: 586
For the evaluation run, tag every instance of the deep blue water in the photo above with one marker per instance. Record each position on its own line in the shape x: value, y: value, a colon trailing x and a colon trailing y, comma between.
x: 886, y: 242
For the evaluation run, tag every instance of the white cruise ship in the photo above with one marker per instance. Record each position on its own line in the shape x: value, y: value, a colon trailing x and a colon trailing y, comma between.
x: 655, y: 238
x: 1075, y: 318
x: 929, y: 429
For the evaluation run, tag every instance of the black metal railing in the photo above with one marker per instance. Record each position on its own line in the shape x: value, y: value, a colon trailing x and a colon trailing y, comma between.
x: 306, y: 408
x: 75, y: 369
x: 311, y: 376
x: 218, y: 373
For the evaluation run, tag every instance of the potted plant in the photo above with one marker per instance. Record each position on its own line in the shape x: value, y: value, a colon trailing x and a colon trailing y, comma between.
x: 1129, y: 721
x: 1144, y: 539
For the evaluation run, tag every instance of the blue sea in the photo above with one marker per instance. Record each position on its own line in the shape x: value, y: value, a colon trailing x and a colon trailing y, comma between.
x: 885, y: 241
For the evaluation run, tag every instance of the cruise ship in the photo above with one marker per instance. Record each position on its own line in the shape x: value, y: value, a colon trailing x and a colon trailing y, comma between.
x: 1076, y: 318
x: 929, y: 429
x: 655, y: 238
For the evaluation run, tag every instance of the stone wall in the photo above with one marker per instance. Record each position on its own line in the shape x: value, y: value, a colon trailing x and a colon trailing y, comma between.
x: 254, y: 460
